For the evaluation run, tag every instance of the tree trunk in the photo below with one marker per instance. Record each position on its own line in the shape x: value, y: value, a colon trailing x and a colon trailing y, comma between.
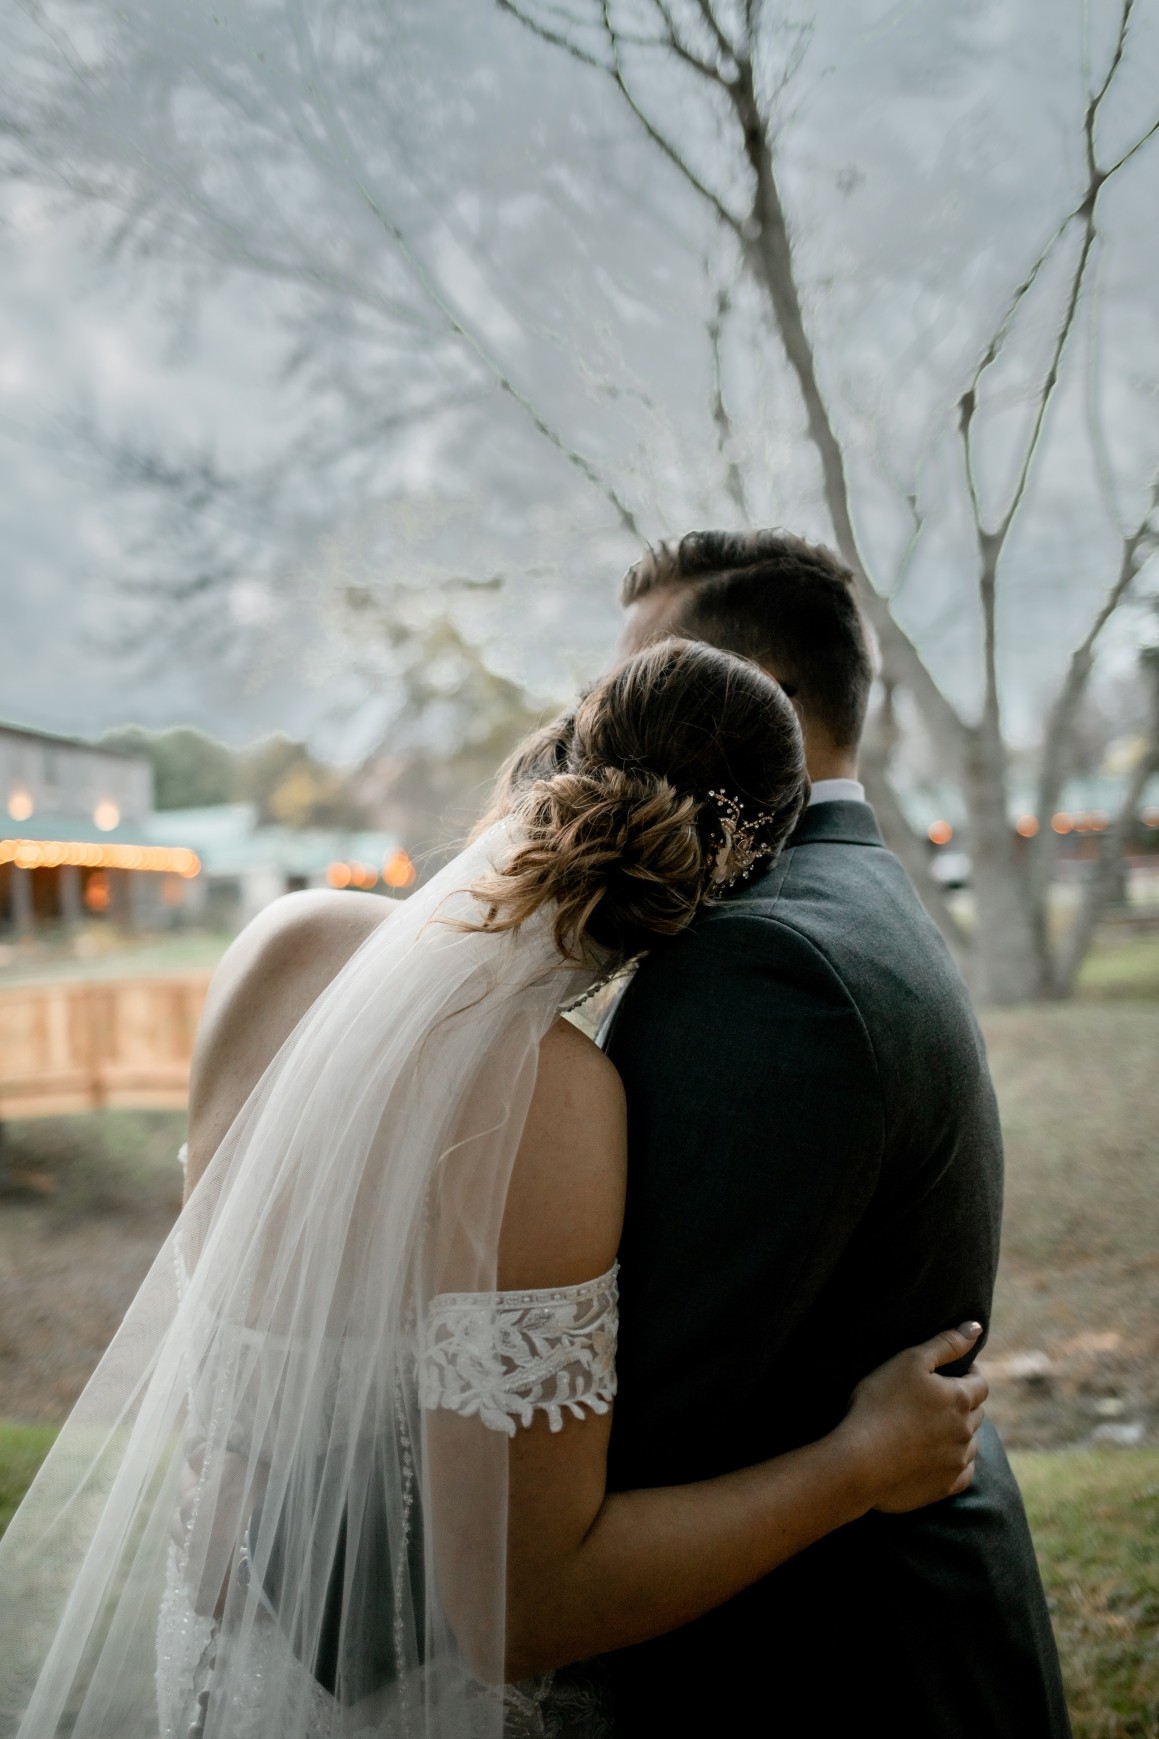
x: 1008, y: 958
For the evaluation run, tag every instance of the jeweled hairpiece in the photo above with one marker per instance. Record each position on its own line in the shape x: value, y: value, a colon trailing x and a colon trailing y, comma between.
x: 738, y: 849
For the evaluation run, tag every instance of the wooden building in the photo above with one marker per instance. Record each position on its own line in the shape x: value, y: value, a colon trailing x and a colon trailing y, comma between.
x: 78, y: 837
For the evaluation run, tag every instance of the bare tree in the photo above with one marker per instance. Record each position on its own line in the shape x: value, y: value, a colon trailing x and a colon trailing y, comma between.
x: 742, y: 69
x: 296, y: 153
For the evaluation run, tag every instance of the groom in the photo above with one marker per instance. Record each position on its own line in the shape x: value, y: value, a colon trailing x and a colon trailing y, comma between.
x: 815, y: 1182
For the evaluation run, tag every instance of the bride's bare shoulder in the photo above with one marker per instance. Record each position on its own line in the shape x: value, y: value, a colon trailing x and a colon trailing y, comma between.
x: 565, y: 1204
x: 292, y: 950
x: 571, y: 1066
x: 266, y: 980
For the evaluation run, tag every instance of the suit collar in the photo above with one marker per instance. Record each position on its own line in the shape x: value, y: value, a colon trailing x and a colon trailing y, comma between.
x: 838, y: 823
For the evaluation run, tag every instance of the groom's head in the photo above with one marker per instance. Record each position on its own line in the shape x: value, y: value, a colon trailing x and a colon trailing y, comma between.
x: 772, y: 597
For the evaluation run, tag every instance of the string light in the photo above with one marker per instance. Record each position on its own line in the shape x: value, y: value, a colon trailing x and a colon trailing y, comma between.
x: 53, y: 853
x: 941, y: 833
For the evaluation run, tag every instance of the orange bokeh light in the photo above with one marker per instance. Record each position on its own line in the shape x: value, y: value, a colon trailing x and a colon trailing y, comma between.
x: 1026, y: 826
x: 398, y: 871
x: 97, y: 894
x: 338, y: 875
x: 941, y: 833
x: 1062, y: 822
x: 20, y: 806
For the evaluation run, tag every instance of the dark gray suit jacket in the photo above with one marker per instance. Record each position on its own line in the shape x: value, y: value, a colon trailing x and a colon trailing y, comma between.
x: 815, y: 1181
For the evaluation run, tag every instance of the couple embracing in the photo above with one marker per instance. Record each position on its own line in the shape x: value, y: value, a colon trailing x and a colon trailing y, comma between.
x: 494, y: 1382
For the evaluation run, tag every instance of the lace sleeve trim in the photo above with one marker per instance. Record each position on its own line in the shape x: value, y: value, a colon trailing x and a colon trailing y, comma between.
x: 502, y: 1357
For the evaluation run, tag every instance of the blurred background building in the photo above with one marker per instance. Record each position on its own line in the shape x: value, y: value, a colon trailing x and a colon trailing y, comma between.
x: 83, y: 845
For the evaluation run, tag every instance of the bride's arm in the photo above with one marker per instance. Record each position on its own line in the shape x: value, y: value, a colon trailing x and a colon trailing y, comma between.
x: 591, y: 1570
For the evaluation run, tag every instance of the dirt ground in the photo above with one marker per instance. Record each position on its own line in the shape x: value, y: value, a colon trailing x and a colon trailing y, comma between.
x: 88, y: 1204
x: 1074, y: 1354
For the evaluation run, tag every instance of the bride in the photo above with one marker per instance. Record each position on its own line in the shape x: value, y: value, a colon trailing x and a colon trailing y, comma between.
x: 342, y: 1469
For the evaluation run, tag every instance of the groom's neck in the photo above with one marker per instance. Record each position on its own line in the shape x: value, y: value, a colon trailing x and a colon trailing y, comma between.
x: 823, y: 761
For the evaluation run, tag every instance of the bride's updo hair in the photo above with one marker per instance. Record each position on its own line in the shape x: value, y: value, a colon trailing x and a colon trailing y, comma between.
x: 625, y: 803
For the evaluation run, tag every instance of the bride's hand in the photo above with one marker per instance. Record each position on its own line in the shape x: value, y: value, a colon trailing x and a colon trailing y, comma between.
x: 916, y: 1433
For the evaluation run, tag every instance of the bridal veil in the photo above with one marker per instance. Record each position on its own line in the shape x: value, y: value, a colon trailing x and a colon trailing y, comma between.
x: 248, y: 1526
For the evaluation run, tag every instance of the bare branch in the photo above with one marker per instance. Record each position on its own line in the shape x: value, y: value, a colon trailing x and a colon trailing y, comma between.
x: 1103, y: 469
x: 1137, y: 549
x: 555, y: 37
x: 614, y: 71
x: 457, y: 323
x: 1117, y: 53
x: 1002, y: 330
x: 665, y: 145
x: 725, y: 45
x: 1084, y: 211
x: 992, y: 540
x: 905, y: 565
x: 968, y: 402
x: 674, y: 41
x: 725, y: 433
x: 1128, y: 154
x: 769, y: 250
x: 1113, y: 843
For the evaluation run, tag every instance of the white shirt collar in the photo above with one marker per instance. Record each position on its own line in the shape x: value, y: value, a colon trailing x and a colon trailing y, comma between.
x: 836, y: 791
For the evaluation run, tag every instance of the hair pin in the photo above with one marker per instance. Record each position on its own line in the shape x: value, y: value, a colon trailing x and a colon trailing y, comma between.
x: 738, y: 849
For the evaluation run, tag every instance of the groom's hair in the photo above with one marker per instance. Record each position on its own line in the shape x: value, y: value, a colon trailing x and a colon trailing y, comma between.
x: 772, y: 597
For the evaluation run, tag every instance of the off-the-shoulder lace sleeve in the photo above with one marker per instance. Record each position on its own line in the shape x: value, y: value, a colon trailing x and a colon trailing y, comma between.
x: 504, y: 1356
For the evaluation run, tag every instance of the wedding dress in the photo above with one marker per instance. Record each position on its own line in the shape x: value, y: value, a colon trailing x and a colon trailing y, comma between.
x: 279, y: 1509
x: 500, y: 1357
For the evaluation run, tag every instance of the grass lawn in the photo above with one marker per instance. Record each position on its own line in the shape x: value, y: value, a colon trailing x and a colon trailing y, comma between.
x: 22, y: 1449
x: 1078, y: 1284
x: 1095, y: 1517
x: 1121, y: 966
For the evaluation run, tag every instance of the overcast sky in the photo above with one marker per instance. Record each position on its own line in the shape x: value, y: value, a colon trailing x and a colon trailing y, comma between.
x: 926, y: 153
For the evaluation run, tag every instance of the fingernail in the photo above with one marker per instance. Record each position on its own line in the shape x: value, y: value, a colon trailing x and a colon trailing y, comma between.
x: 973, y: 1328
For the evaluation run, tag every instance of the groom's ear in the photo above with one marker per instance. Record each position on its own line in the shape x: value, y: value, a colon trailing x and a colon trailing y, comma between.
x: 788, y: 685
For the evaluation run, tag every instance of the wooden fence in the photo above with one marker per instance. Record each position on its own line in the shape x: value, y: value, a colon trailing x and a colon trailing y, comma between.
x: 78, y: 1046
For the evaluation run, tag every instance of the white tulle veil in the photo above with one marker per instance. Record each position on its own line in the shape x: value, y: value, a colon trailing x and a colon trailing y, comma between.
x: 262, y: 1385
